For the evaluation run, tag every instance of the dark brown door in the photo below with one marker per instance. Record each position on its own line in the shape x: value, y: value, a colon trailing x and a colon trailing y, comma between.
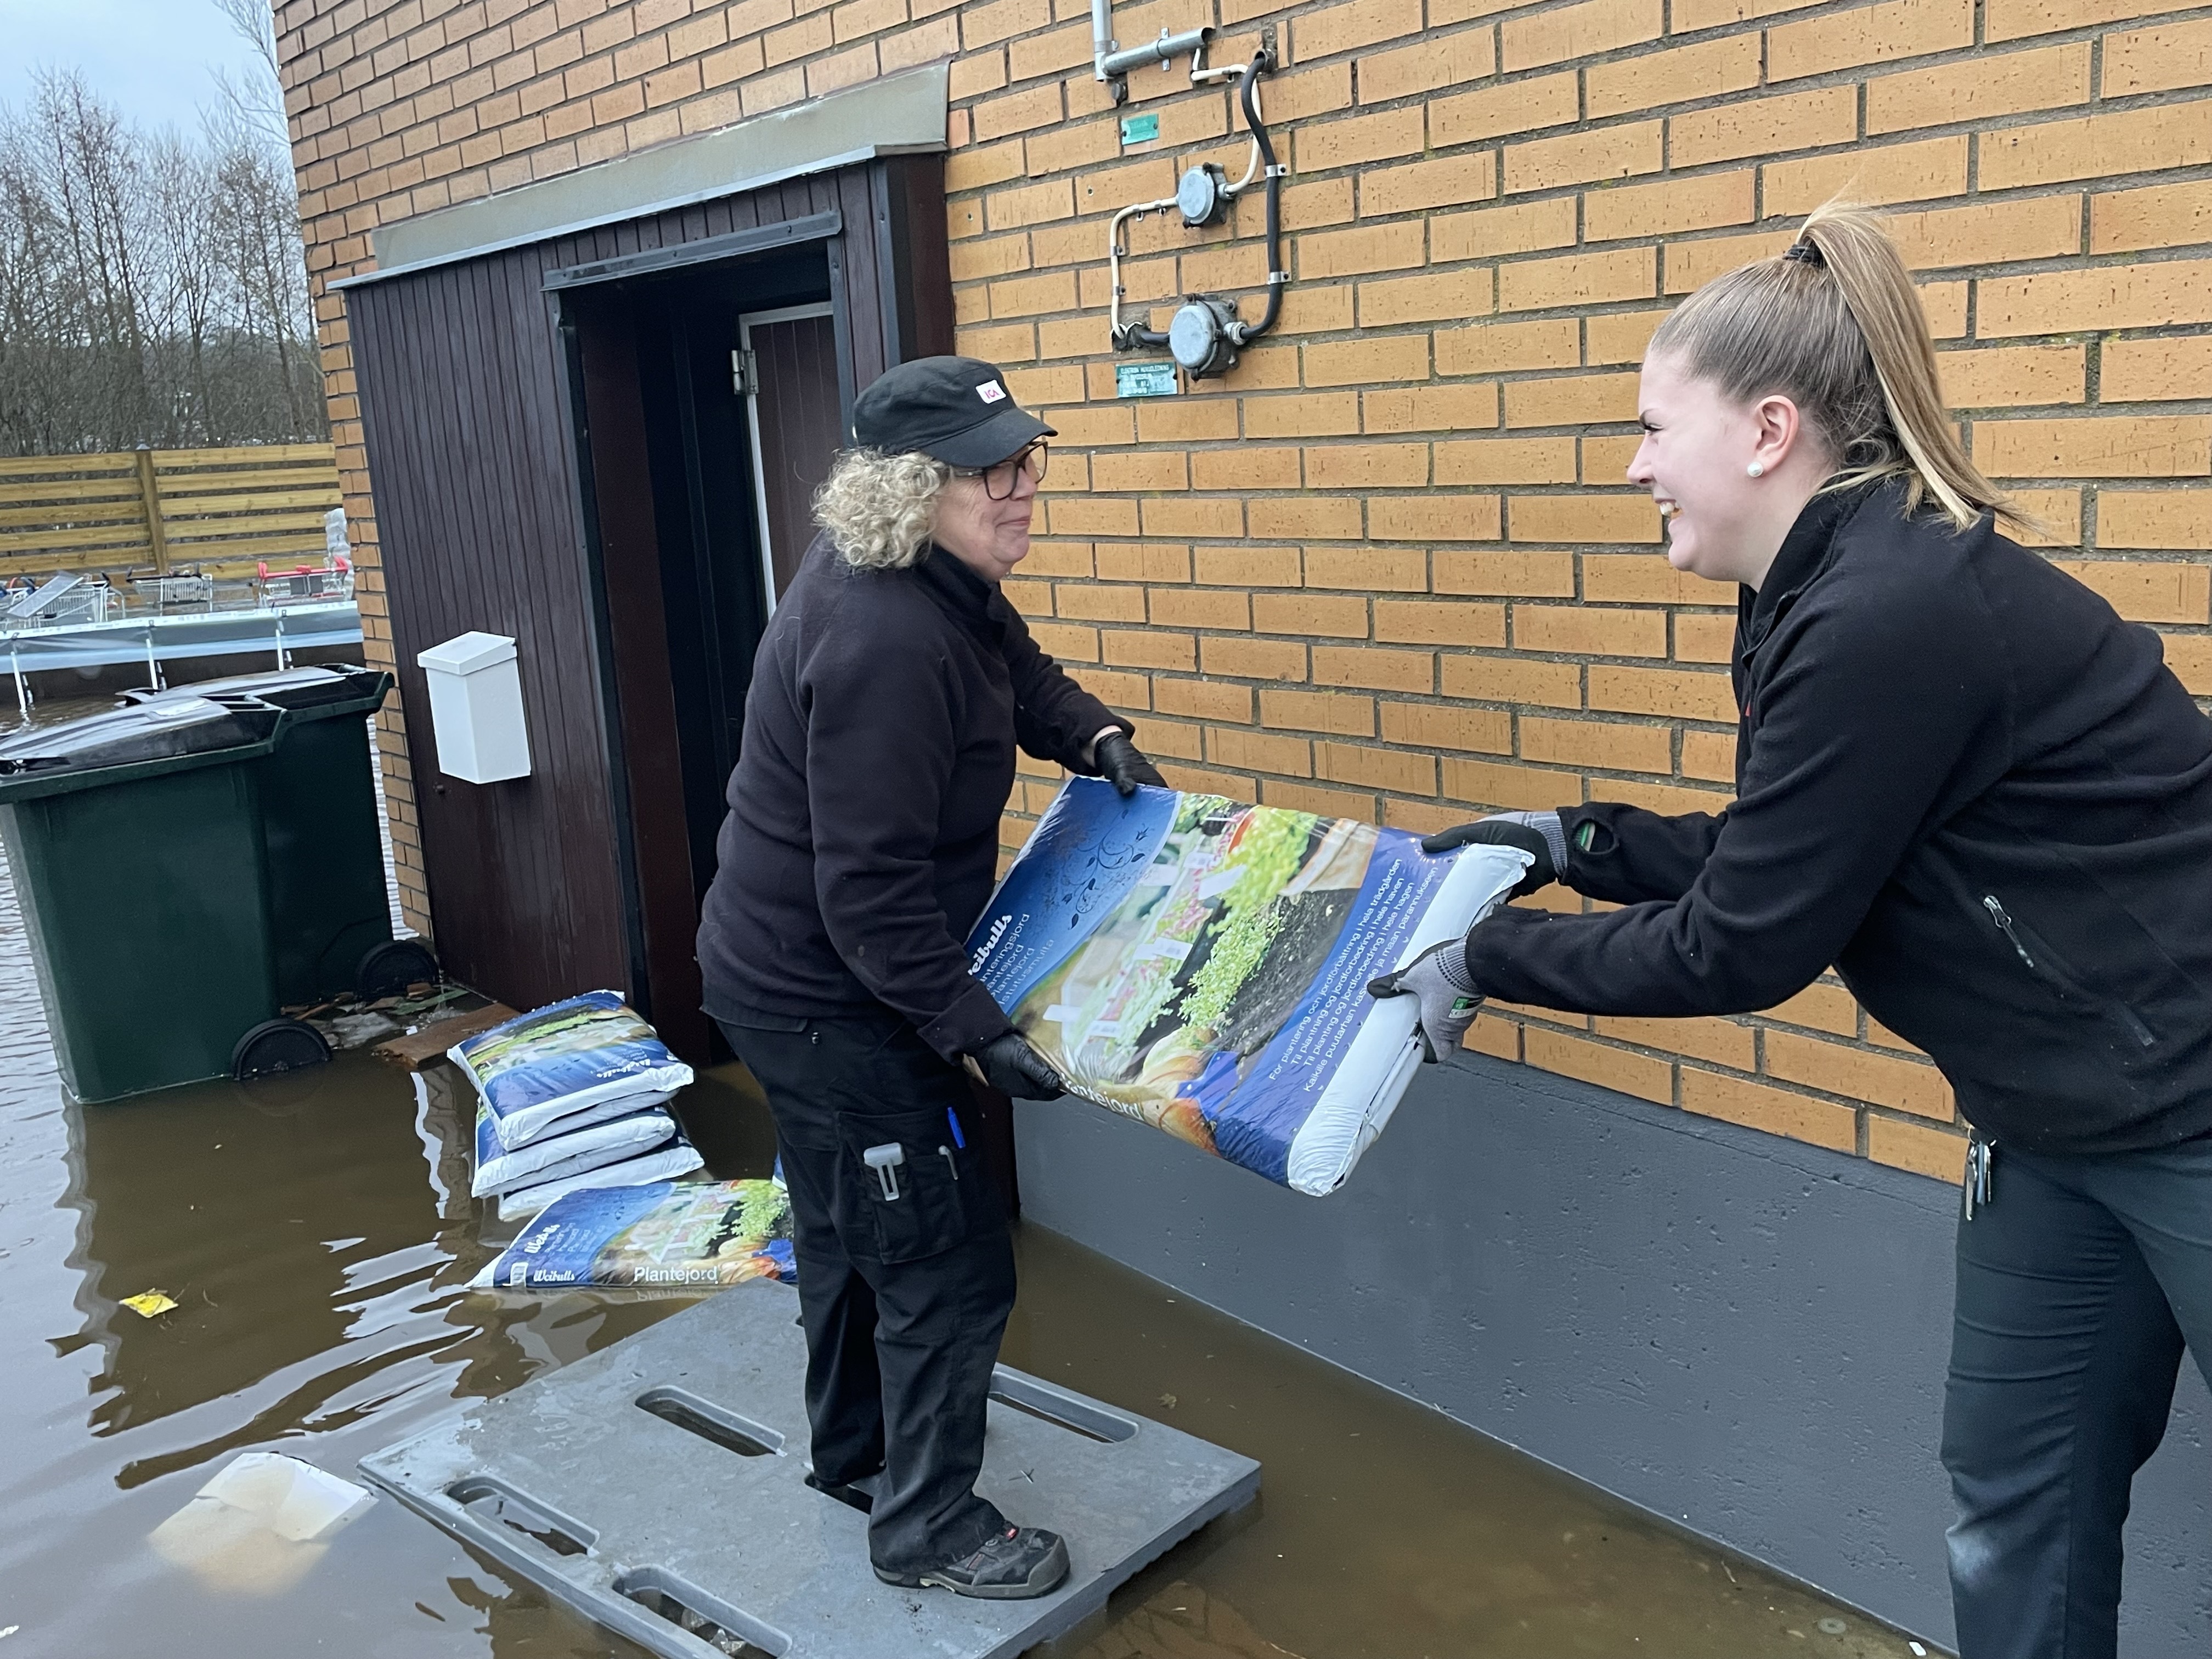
x: 791, y: 380
x: 664, y: 985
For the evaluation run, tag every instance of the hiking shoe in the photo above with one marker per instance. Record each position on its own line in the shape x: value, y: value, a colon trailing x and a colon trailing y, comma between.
x: 860, y: 1494
x: 1011, y: 1566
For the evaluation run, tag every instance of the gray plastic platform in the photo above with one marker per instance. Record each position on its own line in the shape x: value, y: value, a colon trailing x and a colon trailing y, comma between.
x: 657, y: 1486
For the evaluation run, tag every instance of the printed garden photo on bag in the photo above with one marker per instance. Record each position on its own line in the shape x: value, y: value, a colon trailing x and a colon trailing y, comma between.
x: 1201, y: 965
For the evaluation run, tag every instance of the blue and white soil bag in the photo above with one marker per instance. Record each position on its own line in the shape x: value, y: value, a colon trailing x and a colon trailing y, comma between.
x: 568, y: 1100
x: 1202, y: 966
x: 570, y: 1123
x: 694, y: 1235
x: 664, y: 1163
x: 557, y: 1157
x: 565, y: 1059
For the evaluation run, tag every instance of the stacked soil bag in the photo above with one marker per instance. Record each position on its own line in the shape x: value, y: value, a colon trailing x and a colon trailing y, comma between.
x: 569, y: 1097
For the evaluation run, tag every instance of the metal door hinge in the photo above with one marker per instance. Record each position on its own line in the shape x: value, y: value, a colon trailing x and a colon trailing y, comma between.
x: 745, y: 373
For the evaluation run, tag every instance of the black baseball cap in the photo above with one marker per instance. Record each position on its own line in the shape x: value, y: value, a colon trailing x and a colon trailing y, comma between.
x: 954, y: 410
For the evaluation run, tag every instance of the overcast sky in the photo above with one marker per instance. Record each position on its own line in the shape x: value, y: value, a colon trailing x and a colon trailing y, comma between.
x: 150, y: 59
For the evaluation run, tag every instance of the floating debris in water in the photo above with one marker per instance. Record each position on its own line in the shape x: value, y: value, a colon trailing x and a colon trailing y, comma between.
x: 146, y: 1304
x: 260, y: 1523
x: 359, y: 1030
x: 1831, y: 1627
x: 414, y: 1005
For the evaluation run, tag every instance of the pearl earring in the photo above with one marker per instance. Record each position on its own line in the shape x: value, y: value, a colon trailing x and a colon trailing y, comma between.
x: 1757, y: 469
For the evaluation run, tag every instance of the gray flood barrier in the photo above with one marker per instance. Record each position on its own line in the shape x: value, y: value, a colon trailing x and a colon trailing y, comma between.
x: 658, y: 1487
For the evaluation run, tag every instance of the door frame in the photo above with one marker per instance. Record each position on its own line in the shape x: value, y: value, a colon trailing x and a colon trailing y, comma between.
x: 881, y: 227
x: 658, y: 962
x: 751, y: 380
x: 823, y: 227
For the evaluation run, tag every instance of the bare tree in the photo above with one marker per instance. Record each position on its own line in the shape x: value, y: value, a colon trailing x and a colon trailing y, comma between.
x: 186, y: 250
x: 259, y: 225
x: 153, y: 288
x: 255, y: 98
x: 36, y: 310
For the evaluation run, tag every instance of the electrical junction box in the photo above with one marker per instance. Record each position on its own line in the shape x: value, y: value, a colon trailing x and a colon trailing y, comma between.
x: 1203, y: 336
x: 1202, y: 196
x: 476, y: 708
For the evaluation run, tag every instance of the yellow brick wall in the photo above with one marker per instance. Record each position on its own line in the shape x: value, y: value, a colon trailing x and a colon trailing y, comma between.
x: 1388, y: 568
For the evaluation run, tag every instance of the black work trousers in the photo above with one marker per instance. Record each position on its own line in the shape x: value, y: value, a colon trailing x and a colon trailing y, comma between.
x: 2080, y: 1281
x: 905, y: 1271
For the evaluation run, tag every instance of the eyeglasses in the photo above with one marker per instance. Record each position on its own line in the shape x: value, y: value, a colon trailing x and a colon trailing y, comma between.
x: 998, y: 480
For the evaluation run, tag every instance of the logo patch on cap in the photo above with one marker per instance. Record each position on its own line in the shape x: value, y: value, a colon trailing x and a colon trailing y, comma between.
x: 991, y: 392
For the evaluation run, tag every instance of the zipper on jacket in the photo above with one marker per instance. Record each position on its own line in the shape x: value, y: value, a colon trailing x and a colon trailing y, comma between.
x: 2142, y: 1033
x: 1998, y: 916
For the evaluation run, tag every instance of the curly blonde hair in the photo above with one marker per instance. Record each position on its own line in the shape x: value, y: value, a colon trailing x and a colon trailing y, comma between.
x: 879, y: 509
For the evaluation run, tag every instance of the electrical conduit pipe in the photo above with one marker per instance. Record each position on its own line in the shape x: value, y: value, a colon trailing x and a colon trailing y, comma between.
x: 1132, y: 336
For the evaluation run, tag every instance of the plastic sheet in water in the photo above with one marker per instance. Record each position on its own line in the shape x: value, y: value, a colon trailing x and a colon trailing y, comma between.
x: 260, y: 1523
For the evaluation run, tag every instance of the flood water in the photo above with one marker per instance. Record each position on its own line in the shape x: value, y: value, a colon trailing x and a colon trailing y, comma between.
x: 317, y: 1233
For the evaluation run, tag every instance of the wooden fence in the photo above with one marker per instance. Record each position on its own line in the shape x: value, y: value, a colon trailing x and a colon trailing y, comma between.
x: 223, y: 511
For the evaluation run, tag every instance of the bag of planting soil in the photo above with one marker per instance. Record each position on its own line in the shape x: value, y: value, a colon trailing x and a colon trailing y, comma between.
x: 570, y: 1123
x: 665, y: 1163
x: 1202, y: 966
x: 669, y: 1233
x: 556, y: 1156
x: 566, y: 1058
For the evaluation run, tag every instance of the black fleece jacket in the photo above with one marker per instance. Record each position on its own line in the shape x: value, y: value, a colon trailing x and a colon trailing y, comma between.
x: 862, y: 839
x: 1964, y: 782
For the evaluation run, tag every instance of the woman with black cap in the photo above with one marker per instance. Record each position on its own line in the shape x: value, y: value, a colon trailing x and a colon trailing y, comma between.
x: 1969, y: 785
x: 889, y: 694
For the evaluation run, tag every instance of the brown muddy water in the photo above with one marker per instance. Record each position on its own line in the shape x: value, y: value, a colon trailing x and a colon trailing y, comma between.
x: 316, y: 1234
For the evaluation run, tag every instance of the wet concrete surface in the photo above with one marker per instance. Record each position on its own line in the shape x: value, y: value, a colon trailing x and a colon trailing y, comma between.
x: 316, y: 1233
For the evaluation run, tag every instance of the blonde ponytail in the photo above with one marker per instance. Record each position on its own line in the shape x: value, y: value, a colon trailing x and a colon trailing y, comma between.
x: 1834, y: 325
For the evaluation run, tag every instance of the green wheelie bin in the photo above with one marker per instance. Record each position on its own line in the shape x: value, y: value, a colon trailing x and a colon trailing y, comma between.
x: 328, y: 911
x: 188, y: 864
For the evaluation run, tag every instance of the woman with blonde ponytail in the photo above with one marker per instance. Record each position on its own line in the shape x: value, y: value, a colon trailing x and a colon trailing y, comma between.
x: 1963, y: 780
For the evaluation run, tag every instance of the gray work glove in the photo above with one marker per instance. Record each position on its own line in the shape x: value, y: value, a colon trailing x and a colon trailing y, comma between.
x: 1449, y: 999
x: 1009, y: 1065
x: 1539, y: 835
x: 1122, y: 764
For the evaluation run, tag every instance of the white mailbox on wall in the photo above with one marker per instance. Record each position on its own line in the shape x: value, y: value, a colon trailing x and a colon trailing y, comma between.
x: 476, y: 708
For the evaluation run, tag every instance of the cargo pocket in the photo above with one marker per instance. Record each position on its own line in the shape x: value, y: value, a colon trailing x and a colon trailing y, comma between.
x: 944, y: 1196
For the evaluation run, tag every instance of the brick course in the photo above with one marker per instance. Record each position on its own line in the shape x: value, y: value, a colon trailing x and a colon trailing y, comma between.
x: 1387, y: 566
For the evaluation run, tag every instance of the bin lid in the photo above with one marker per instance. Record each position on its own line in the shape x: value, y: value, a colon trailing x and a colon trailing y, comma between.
x: 171, y: 729
x: 467, y: 653
x: 296, y: 689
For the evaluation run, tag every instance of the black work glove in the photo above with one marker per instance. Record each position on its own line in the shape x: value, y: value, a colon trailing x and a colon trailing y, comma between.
x: 1537, y: 834
x: 1009, y: 1065
x: 1122, y: 764
x: 1449, y: 999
